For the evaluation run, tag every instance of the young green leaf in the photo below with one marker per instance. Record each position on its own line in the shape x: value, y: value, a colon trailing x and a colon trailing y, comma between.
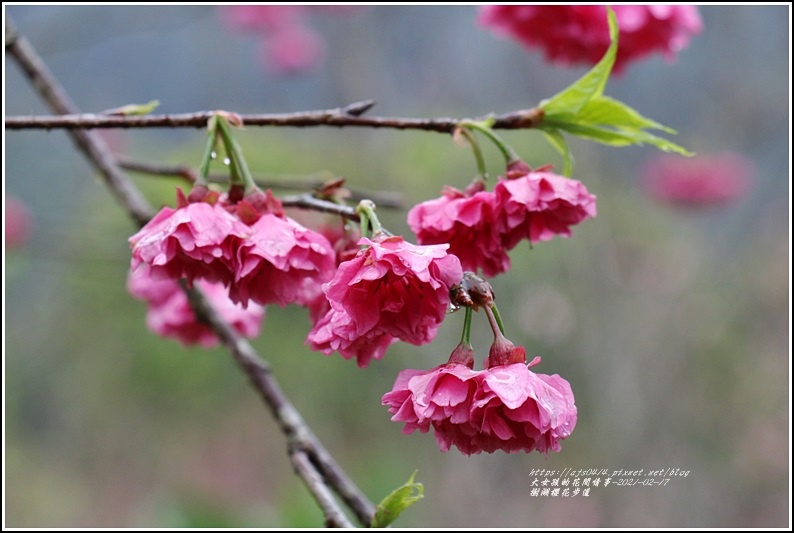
x: 133, y: 109
x: 557, y: 140
x: 395, y: 503
x: 584, y: 111
x: 572, y: 99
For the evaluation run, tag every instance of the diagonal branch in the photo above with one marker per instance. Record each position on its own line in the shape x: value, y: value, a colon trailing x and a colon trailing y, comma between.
x: 306, y: 471
x: 312, y: 461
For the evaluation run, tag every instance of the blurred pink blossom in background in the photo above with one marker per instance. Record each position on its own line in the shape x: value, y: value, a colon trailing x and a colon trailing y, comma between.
x: 700, y: 180
x: 288, y: 45
x: 579, y: 34
x: 18, y: 222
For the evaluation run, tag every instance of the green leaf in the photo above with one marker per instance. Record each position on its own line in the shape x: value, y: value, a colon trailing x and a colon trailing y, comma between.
x: 620, y: 137
x: 557, y: 140
x: 395, y: 503
x: 133, y: 109
x: 571, y: 100
x: 584, y: 111
x: 605, y: 110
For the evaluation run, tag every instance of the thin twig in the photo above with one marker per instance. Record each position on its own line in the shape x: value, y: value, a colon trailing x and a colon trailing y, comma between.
x: 383, y: 199
x: 339, y: 117
x: 299, y: 436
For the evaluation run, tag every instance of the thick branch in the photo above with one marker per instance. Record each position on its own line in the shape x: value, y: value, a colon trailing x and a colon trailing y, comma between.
x: 339, y: 117
x: 301, y: 440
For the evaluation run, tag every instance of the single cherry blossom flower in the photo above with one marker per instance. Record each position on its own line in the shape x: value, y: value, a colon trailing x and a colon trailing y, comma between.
x: 539, y: 205
x: 505, y: 407
x: 396, y: 287
x: 198, y: 240
x: 466, y: 220
x: 276, y: 258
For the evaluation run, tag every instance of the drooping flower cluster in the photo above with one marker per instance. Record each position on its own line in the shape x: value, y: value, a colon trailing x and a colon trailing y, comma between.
x: 697, y: 181
x: 480, y: 225
x: 504, y: 407
x: 170, y: 314
x: 251, y: 247
x: 288, y: 44
x: 579, y: 34
x: 391, y: 290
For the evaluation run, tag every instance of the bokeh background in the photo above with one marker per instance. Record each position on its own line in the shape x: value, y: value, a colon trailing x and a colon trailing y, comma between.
x: 671, y: 323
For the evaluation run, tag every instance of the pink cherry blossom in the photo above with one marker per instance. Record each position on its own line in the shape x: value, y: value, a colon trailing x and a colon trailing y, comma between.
x: 336, y: 332
x: 310, y: 293
x: 466, y: 220
x: 288, y: 44
x: 397, y: 287
x: 262, y: 17
x: 700, y: 180
x: 195, y: 241
x: 170, y: 315
x: 539, y: 205
x: 506, y: 407
x: 391, y: 290
x: 579, y: 34
x: 292, y: 49
x: 273, y: 263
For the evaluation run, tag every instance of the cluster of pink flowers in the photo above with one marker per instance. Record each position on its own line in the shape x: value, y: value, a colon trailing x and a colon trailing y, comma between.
x: 504, y: 407
x: 697, y: 181
x: 360, y: 300
x: 579, y: 34
x: 391, y: 290
x: 288, y: 44
x: 481, y: 225
x: 170, y: 314
x: 252, y: 247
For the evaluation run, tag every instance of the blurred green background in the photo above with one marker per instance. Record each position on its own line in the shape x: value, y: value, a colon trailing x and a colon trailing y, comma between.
x: 672, y: 325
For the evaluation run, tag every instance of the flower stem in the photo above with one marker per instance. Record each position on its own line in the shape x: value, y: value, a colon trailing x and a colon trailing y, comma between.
x: 239, y: 173
x: 498, y: 318
x: 209, y: 151
x: 484, y: 127
x: 475, y: 148
x: 466, y: 336
x: 370, y: 225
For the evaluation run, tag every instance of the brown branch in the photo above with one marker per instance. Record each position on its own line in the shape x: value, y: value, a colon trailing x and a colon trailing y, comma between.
x: 299, y: 436
x: 301, y: 441
x: 314, y: 181
x: 339, y: 117
x: 324, y: 498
